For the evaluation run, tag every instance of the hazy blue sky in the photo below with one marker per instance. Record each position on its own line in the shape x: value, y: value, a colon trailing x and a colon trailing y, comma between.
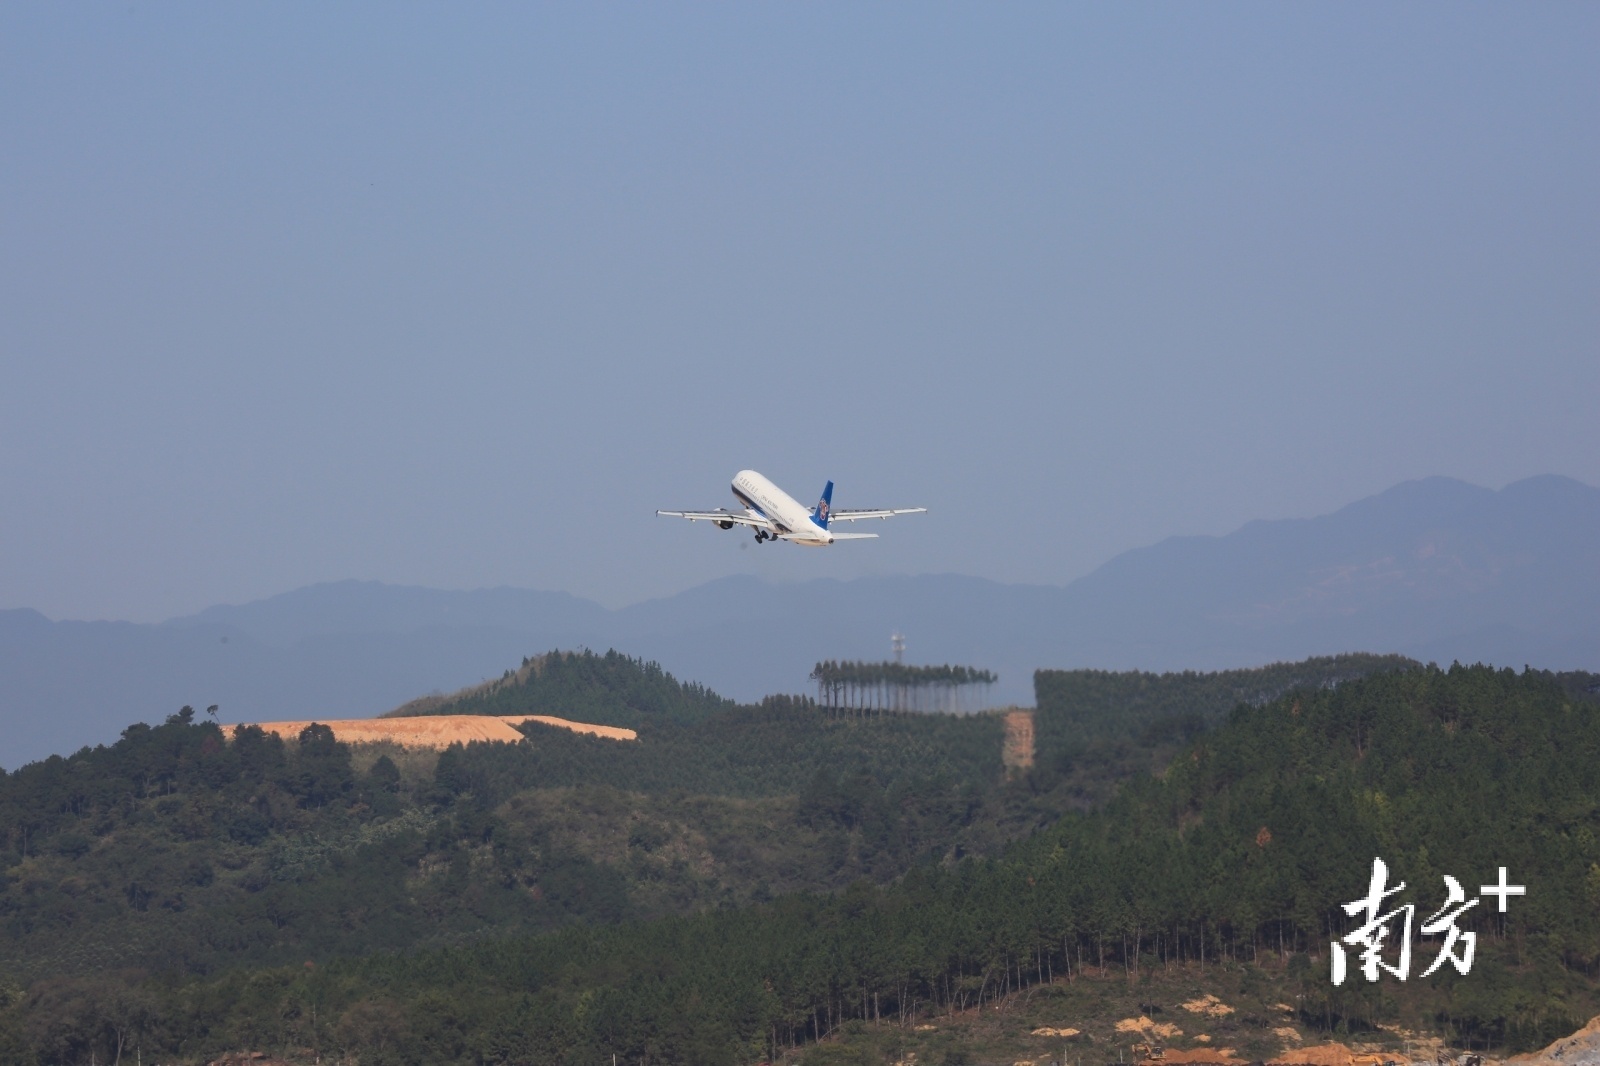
x: 459, y: 295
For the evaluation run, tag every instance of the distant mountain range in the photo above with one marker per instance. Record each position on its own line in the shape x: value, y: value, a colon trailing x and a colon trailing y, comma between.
x: 1436, y: 569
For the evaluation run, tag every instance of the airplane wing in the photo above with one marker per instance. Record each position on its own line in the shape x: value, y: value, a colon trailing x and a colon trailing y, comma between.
x: 738, y: 518
x: 851, y: 516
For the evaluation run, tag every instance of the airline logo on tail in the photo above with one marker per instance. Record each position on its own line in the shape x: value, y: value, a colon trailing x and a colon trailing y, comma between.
x: 820, y: 515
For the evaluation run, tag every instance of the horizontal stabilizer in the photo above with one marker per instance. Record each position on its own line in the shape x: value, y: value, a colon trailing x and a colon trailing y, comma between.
x: 855, y: 536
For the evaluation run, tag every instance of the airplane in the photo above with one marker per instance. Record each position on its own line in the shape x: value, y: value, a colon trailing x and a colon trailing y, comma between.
x: 775, y: 515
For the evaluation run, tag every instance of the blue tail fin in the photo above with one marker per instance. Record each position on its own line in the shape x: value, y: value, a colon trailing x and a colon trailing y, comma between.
x: 824, y: 506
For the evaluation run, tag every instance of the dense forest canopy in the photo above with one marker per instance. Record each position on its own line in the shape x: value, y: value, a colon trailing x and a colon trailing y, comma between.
x: 1097, y: 713
x: 174, y: 849
x: 267, y: 890
x: 1097, y: 703
x: 899, y: 687
x: 609, y: 689
x: 1475, y: 768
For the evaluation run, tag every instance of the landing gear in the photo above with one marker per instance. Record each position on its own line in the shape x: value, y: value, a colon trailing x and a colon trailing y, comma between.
x: 761, y: 535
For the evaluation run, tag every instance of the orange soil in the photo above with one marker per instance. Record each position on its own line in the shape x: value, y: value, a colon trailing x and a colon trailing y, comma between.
x: 610, y: 732
x: 1225, y: 1056
x: 1018, y: 750
x: 1334, y: 1054
x: 437, y: 731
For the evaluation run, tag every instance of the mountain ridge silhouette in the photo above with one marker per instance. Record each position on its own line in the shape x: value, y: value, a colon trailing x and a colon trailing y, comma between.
x: 1437, y: 569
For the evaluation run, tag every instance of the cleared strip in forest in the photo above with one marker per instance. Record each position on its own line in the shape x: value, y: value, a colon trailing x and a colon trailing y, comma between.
x: 1018, y: 751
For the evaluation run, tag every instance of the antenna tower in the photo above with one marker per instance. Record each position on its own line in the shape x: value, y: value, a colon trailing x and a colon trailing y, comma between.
x: 898, y: 642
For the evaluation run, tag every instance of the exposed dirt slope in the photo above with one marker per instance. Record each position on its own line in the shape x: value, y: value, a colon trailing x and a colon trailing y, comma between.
x: 610, y: 732
x: 1580, y: 1049
x: 1335, y: 1054
x: 438, y: 731
x: 1018, y: 751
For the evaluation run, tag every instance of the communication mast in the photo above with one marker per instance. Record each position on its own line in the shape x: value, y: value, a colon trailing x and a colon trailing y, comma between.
x: 898, y: 642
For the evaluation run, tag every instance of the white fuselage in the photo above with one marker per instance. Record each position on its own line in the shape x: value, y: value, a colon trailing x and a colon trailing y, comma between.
x: 762, y: 498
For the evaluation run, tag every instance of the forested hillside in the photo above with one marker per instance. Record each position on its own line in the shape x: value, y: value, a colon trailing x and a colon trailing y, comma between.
x: 1095, y: 728
x: 1241, y: 854
x: 609, y: 689
x: 174, y: 849
x: 1077, y: 706
x: 694, y: 872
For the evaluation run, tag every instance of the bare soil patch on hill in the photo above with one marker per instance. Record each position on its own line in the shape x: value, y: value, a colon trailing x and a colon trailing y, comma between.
x: 437, y: 731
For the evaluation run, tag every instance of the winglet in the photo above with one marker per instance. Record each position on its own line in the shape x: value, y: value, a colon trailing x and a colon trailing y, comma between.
x: 820, y: 513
